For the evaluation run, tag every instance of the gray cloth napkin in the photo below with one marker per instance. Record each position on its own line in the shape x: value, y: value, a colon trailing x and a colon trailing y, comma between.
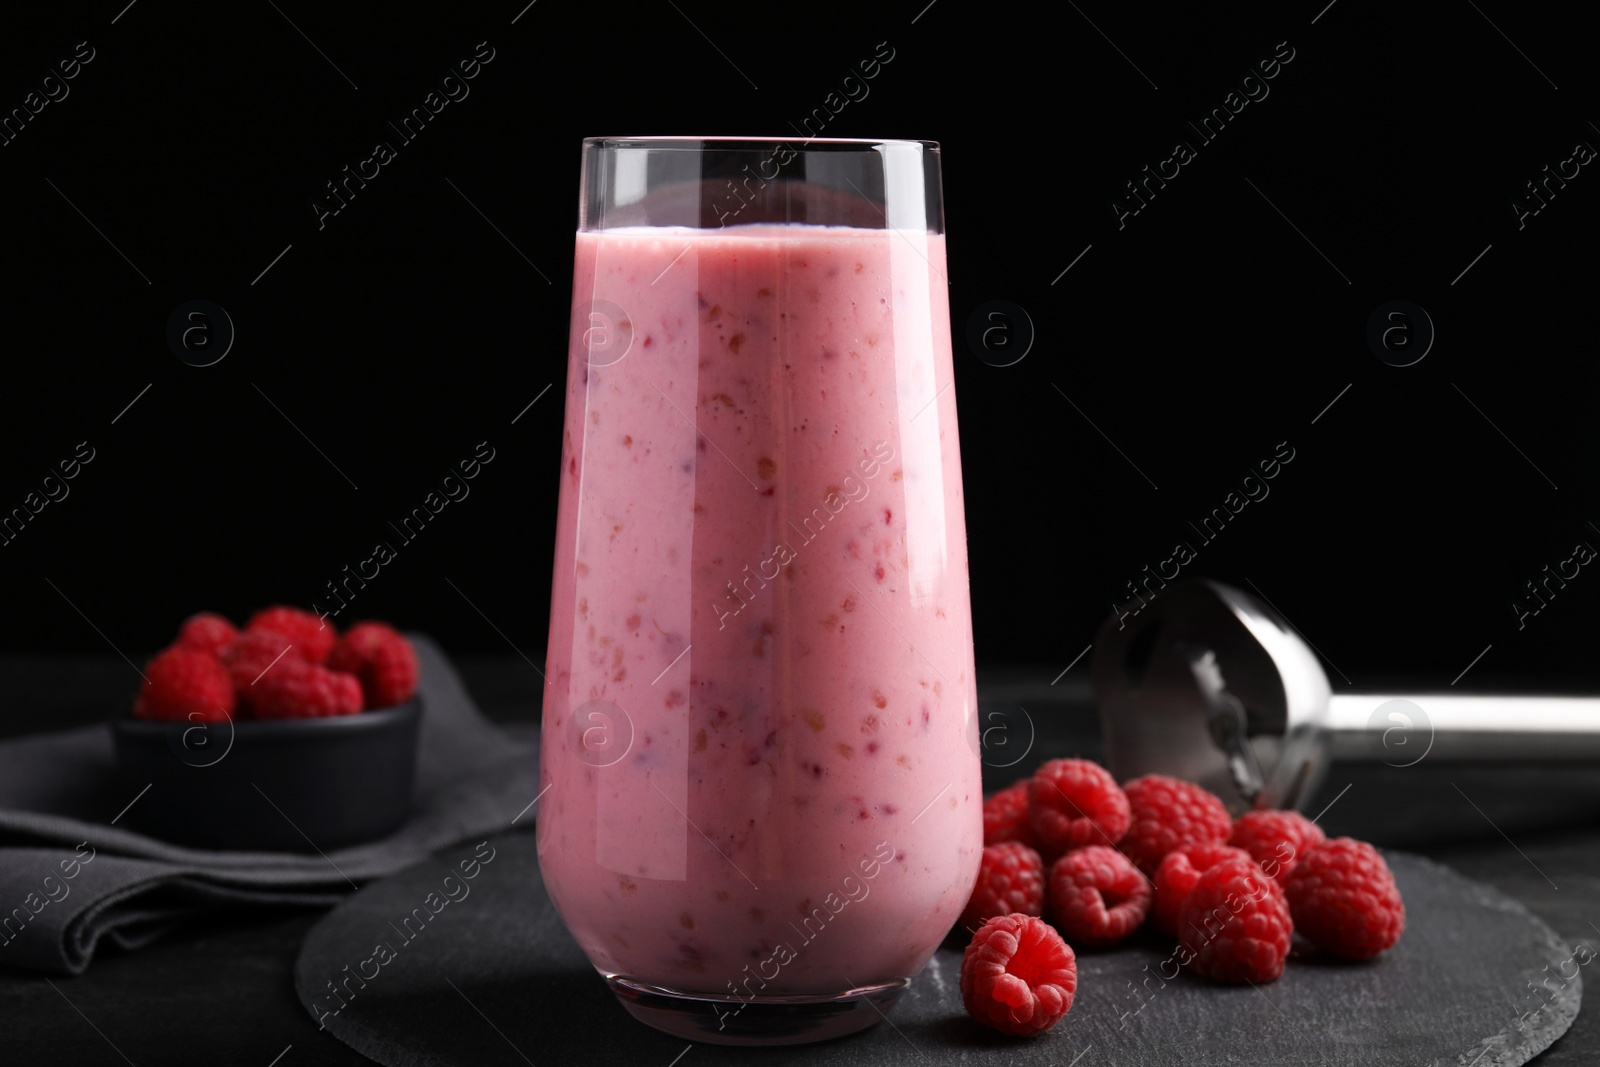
x: 60, y: 790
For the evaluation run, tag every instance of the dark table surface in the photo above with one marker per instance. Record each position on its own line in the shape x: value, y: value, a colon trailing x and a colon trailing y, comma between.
x: 220, y: 991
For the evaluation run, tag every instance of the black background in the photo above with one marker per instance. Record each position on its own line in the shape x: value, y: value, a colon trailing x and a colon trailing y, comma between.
x: 1198, y: 336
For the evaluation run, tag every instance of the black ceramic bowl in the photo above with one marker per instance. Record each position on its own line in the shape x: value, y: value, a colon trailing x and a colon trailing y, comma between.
x: 296, y: 785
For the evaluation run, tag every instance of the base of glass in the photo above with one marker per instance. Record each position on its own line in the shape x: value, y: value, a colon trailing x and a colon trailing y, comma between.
x: 761, y: 1020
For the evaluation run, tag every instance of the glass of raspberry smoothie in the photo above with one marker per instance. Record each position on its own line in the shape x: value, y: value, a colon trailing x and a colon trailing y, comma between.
x: 763, y: 807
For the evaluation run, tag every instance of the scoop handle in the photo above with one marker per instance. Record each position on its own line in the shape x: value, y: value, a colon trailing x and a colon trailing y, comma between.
x: 1402, y: 728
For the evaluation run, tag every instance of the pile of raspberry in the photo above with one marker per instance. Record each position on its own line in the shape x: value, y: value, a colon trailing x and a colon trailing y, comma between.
x: 285, y: 664
x: 1072, y: 859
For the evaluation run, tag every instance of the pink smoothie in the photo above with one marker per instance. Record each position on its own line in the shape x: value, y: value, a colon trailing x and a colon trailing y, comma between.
x: 760, y: 593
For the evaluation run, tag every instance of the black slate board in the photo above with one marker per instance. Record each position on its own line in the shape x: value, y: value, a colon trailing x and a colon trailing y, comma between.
x: 494, y: 978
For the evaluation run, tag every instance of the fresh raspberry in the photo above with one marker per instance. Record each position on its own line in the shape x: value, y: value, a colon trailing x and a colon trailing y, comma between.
x: 1344, y: 900
x: 1005, y: 816
x: 1075, y: 802
x: 1168, y: 813
x: 1018, y: 976
x: 309, y: 634
x: 1276, y: 839
x: 1179, y: 871
x: 207, y: 632
x: 185, y: 685
x: 1010, y: 881
x: 1097, y: 897
x: 252, y: 654
x: 1235, y: 925
x: 295, y: 689
x: 383, y: 659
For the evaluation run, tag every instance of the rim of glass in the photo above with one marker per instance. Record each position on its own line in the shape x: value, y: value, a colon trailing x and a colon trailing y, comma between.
x: 800, y: 144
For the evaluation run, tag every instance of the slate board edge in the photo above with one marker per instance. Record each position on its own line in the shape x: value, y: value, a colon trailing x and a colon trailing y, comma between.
x: 1561, y: 1014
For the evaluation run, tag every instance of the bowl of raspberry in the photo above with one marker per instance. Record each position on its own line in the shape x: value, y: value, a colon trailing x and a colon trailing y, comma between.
x: 284, y: 735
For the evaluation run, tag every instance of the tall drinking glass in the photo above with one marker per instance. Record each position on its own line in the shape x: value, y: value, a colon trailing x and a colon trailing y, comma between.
x: 760, y: 729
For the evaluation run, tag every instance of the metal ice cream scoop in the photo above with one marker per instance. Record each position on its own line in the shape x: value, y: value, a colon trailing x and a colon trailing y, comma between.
x: 1208, y: 684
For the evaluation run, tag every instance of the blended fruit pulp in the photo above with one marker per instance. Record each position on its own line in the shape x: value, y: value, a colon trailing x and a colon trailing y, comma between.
x: 761, y: 738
